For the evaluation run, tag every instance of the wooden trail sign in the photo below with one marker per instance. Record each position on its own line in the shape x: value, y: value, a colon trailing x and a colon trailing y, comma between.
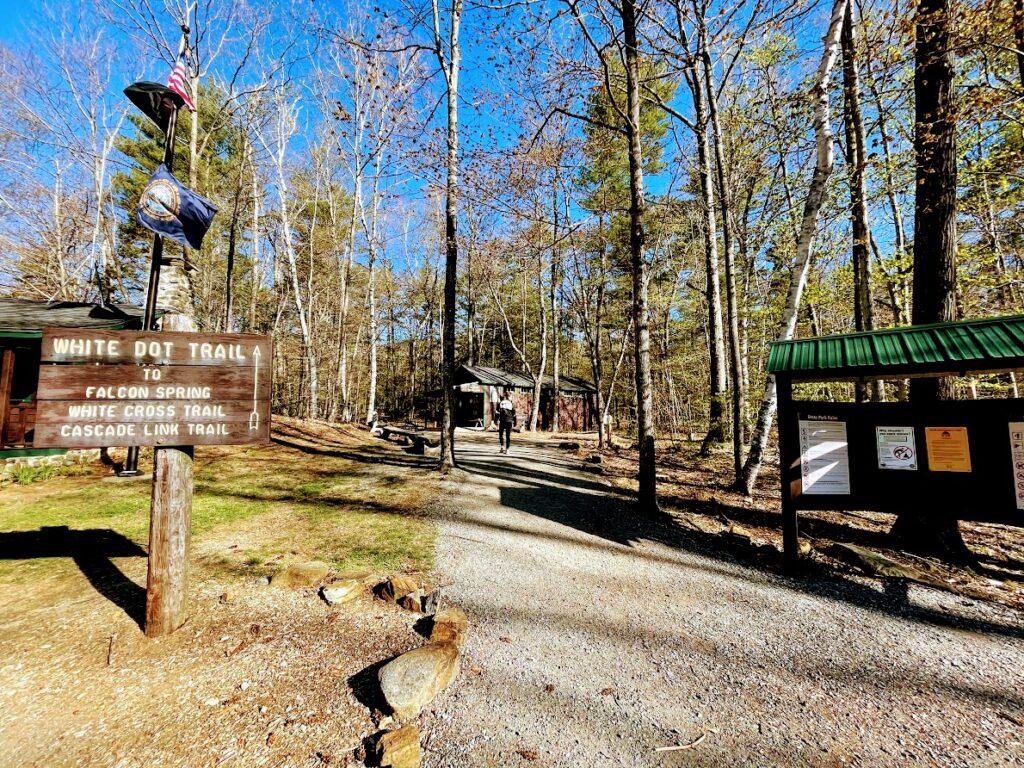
x: 126, y: 388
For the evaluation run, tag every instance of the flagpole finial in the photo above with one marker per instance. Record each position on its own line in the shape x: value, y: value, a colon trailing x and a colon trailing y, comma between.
x: 188, y: 16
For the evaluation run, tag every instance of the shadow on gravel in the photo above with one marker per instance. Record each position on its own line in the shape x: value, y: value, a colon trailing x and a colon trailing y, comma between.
x: 92, y: 551
x: 366, y: 687
x: 598, y: 510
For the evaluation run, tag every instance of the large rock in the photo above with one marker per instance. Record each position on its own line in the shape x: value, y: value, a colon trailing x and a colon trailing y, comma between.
x: 399, y: 749
x: 397, y: 587
x: 450, y: 625
x: 412, y: 602
x: 301, y: 575
x: 342, y: 591
x: 411, y: 681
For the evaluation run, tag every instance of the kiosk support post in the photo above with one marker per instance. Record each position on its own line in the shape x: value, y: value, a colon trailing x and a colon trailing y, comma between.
x: 789, y: 470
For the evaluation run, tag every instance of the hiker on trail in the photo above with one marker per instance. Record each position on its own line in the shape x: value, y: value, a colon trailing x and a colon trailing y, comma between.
x: 506, y: 420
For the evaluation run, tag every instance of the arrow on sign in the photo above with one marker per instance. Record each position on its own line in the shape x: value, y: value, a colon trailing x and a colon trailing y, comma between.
x: 254, y: 417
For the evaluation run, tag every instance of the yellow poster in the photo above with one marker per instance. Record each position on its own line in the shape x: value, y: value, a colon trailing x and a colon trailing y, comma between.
x: 948, y: 450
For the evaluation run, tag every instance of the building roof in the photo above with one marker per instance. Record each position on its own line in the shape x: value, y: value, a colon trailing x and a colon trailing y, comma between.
x: 25, y: 319
x: 992, y: 344
x: 495, y: 377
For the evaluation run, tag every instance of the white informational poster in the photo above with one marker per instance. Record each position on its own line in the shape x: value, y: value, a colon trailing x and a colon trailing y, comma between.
x: 896, y: 448
x: 1017, y: 455
x: 824, y: 458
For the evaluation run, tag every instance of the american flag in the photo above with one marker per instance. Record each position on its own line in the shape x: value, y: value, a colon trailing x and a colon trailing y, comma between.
x: 176, y: 82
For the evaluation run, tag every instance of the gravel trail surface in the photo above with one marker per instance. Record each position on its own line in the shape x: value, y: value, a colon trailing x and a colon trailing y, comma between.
x: 597, y: 637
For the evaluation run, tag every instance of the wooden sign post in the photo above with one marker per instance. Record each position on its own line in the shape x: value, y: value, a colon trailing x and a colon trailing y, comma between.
x: 166, y: 390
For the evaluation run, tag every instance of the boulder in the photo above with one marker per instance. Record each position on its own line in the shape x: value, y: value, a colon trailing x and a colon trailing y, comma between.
x: 300, y: 575
x: 450, y: 625
x: 397, y: 587
x: 594, y: 458
x: 341, y: 591
x: 412, y: 602
x: 412, y: 680
x: 432, y: 601
x: 399, y: 749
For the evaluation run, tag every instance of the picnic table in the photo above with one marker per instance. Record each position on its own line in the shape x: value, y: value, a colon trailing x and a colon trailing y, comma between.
x: 419, y: 440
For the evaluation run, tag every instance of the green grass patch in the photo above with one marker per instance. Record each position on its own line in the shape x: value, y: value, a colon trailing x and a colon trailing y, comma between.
x: 252, y: 509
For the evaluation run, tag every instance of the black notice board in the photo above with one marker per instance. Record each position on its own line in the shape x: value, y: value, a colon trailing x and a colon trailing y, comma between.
x: 986, y: 493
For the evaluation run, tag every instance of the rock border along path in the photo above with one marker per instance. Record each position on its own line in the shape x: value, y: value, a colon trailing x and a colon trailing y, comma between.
x: 598, y: 637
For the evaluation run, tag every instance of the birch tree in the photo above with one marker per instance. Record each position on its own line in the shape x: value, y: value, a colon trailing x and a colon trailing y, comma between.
x: 824, y: 158
x: 275, y: 138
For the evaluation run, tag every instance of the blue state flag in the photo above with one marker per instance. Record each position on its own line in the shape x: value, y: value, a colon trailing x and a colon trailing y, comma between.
x: 173, y: 210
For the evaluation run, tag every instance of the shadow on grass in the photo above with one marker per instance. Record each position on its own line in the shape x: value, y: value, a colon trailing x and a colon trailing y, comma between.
x: 91, y: 551
x: 372, y: 455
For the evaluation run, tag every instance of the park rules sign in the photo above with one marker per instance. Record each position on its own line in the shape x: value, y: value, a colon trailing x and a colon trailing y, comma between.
x: 124, y: 388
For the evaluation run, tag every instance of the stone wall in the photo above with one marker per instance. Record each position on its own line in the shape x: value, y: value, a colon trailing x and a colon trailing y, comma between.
x: 70, y: 458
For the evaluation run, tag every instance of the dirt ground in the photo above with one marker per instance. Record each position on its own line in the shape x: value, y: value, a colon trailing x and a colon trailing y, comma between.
x: 259, y: 675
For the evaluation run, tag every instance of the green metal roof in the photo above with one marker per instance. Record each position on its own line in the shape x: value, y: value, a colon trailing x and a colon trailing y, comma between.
x: 992, y: 344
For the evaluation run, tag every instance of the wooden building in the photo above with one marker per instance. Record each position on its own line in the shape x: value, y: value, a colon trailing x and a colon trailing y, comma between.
x: 479, y: 389
x: 21, y: 333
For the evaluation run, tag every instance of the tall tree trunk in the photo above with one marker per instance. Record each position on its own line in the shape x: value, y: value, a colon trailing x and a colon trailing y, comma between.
x: 254, y: 295
x: 805, y: 243
x: 1018, y: 37
x: 538, y: 380
x: 344, y: 374
x: 935, y: 201
x: 450, y: 66
x: 856, y: 159
x: 471, y: 306
x: 922, y: 529
x: 900, y: 292
x: 371, y: 308
x: 732, y: 310
x: 593, y: 332
x: 556, y: 287
x: 713, y: 288
x: 646, y: 476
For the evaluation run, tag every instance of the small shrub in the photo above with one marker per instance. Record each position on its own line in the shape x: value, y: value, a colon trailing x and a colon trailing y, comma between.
x: 24, y: 474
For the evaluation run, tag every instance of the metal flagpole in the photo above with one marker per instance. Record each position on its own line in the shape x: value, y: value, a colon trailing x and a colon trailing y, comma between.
x: 167, y: 105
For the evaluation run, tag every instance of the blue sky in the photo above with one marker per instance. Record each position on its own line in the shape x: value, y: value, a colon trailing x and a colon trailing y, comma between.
x: 12, y: 16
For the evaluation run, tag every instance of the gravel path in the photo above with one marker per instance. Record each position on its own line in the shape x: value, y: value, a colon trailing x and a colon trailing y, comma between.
x: 597, y: 637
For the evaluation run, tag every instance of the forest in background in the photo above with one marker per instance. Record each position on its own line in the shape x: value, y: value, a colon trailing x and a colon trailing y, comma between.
x: 643, y: 195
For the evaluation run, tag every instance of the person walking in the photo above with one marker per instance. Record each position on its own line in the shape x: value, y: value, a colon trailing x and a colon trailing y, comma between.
x: 506, y: 420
